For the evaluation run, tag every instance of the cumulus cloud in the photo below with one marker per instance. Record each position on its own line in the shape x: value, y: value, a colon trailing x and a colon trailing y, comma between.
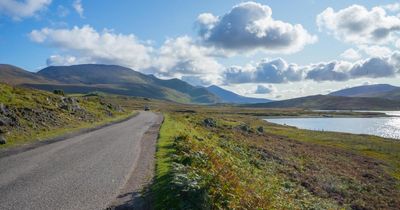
x: 182, y: 57
x: 350, y: 54
x: 22, y: 9
x: 67, y: 60
x: 395, y: 7
x: 331, y: 71
x: 278, y: 71
x: 97, y: 47
x: 375, y: 50
x: 77, y: 5
x: 249, y: 26
x: 266, y: 71
x: 373, y: 68
x: 261, y: 89
x: 357, y: 24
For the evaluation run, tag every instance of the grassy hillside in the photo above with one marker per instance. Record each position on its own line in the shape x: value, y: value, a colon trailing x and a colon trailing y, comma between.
x: 28, y: 115
x: 13, y: 75
x: 110, y: 79
x: 334, y: 103
x: 124, y: 81
x: 377, y: 91
x: 208, y: 160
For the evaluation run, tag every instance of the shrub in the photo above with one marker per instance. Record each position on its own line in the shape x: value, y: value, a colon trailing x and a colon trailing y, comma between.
x: 59, y: 92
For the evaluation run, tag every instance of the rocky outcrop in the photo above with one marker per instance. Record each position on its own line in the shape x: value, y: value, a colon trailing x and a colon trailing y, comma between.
x: 209, y: 122
x: 69, y: 104
x: 2, y: 138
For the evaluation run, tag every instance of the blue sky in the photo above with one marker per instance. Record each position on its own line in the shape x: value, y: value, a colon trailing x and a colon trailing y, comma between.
x: 168, y: 41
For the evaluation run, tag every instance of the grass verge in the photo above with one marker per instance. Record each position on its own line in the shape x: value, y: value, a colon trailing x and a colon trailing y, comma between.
x: 234, y: 161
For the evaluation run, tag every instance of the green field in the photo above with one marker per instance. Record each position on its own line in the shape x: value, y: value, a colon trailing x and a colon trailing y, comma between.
x: 241, y: 162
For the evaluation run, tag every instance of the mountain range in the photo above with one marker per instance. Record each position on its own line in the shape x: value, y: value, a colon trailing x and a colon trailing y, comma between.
x: 119, y: 80
x: 378, y: 90
x: 366, y: 97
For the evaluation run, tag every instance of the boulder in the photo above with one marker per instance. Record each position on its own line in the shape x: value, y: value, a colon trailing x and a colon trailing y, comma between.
x: 210, y: 122
x: 3, y: 109
x: 245, y: 128
x: 70, y: 104
x: 2, y: 139
x: 5, y: 121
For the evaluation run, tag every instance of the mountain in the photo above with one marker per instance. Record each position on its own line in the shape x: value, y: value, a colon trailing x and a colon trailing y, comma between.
x: 230, y: 97
x: 366, y: 91
x: 111, y: 79
x: 13, y: 75
x: 328, y: 102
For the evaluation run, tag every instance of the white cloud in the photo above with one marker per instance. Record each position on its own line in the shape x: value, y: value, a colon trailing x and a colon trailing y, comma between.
x: 395, y: 7
x: 351, y: 54
x: 373, y: 68
x: 177, y: 58
x: 182, y: 57
x: 357, y: 24
x: 266, y: 71
x: 331, y: 71
x: 279, y: 71
x: 21, y: 9
x: 67, y: 60
x: 98, y: 47
x: 249, y: 26
x: 261, y: 89
x: 77, y: 5
x: 376, y: 50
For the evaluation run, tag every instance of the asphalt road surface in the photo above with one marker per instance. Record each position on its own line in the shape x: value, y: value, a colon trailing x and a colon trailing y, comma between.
x: 83, y: 172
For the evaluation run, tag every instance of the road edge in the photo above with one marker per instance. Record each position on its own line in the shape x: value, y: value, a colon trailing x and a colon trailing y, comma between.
x: 134, y: 194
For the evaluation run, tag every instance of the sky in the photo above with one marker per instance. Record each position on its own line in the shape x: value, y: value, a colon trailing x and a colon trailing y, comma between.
x: 274, y: 49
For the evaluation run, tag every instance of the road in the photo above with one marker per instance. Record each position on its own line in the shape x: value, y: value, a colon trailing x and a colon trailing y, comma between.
x: 83, y: 172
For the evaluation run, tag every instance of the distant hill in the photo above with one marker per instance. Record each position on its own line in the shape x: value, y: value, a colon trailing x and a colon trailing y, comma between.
x: 328, y: 102
x: 13, y: 75
x: 366, y: 91
x: 111, y: 79
x: 230, y: 97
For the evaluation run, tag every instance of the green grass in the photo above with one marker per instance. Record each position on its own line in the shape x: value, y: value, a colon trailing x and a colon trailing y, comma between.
x: 164, y: 163
x: 232, y: 166
x: 39, y: 117
x: 386, y: 150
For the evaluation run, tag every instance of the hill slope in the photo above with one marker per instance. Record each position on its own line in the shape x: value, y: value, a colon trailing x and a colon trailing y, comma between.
x: 326, y: 102
x: 13, y: 75
x: 230, y: 97
x: 28, y: 115
x: 365, y: 90
x: 111, y: 79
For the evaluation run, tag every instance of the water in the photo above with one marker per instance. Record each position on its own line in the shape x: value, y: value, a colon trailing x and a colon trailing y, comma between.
x: 391, y: 113
x: 388, y: 127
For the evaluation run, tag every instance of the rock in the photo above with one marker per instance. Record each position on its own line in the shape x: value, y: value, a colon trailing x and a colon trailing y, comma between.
x: 70, y: 104
x: 2, y: 139
x: 3, y: 109
x: 260, y: 129
x: 245, y: 128
x: 209, y: 122
x: 5, y: 121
